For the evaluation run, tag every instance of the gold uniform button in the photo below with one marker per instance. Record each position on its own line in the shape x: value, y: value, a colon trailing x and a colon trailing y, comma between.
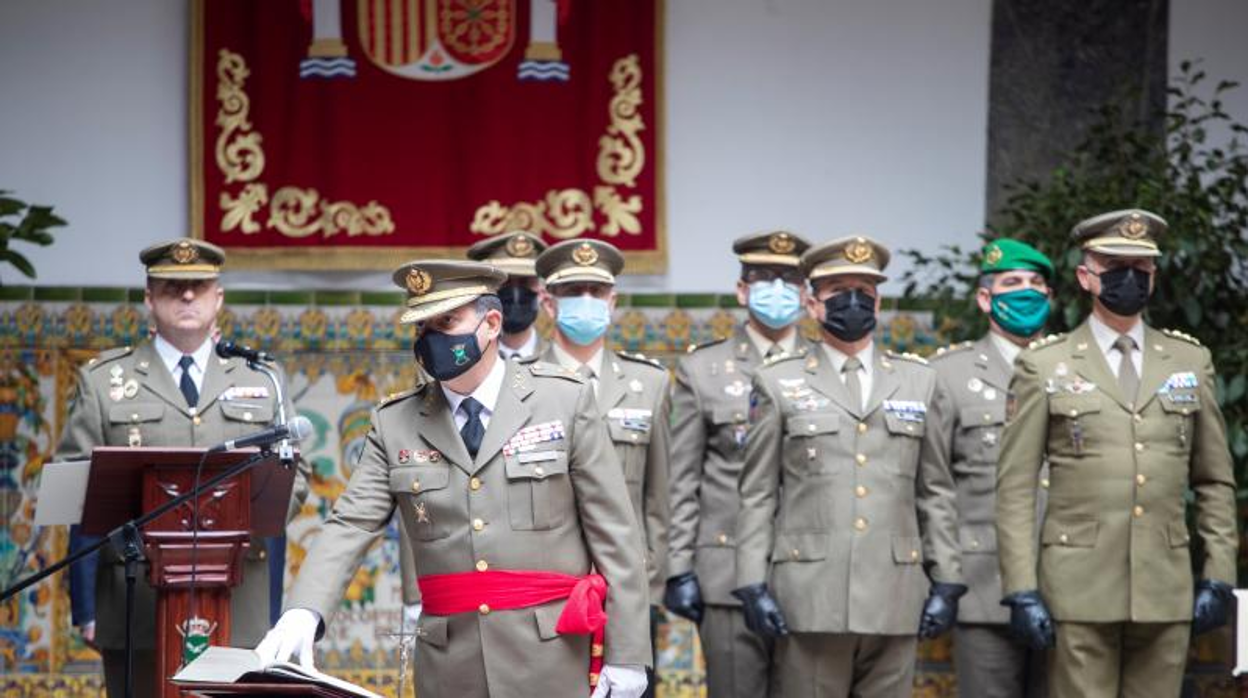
x: 987, y: 418
x: 862, y: 427
x: 1139, y: 446
x: 134, y: 416
x: 795, y: 554
x: 635, y: 437
x: 723, y: 539
x: 860, y: 491
x: 1140, y: 479
x: 197, y: 421
x: 482, y: 565
x: 478, y: 525
x: 910, y: 427
x: 415, y: 485
x: 861, y: 458
x: 474, y: 484
x: 1138, y: 511
x: 1137, y: 418
x: 247, y: 416
x: 263, y: 554
x: 1063, y: 538
x: 1074, y: 413
x: 484, y: 609
x: 1044, y: 482
x: 914, y: 554
x: 974, y: 544
x: 860, y: 524
x: 810, y: 427
x: 539, y: 471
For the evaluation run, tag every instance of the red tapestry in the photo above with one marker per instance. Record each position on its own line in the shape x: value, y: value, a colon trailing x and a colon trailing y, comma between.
x: 357, y: 134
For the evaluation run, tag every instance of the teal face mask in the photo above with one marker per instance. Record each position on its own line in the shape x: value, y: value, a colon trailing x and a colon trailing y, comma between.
x: 583, y: 319
x: 775, y: 303
x: 1021, y: 313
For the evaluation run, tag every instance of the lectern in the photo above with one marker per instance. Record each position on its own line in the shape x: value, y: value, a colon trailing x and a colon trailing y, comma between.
x: 126, y: 483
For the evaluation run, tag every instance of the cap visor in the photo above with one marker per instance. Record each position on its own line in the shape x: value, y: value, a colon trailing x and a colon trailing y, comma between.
x: 423, y: 312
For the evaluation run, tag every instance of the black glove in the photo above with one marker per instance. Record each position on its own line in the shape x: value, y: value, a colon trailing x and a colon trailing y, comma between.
x: 683, y: 596
x: 1213, y: 602
x: 1029, y: 619
x: 762, y: 613
x: 940, y: 610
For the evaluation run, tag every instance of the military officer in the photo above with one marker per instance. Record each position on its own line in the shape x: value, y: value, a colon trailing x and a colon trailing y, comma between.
x: 710, y: 404
x: 632, y: 391
x: 515, y: 253
x: 169, y: 391
x: 1128, y: 420
x: 516, y: 509
x: 847, y: 521
x: 1014, y: 293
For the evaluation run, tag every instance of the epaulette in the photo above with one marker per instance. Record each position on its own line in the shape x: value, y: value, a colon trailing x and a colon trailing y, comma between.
x: 1183, y: 336
x: 694, y: 347
x: 1046, y: 340
x: 108, y: 355
x: 552, y: 370
x: 954, y: 348
x: 907, y: 356
x: 641, y: 359
x: 396, y: 397
x: 784, y: 356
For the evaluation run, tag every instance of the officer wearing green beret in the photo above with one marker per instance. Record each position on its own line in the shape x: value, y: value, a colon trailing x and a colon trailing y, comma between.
x: 710, y: 405
x: 168, y: 391
x: 847, y: 535
x: 1128, y: 420
x: 1014, y: 294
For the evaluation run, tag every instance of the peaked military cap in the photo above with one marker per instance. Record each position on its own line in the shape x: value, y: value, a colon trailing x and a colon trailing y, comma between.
x: 440, y: 285
x: 1129, y: 233
x: 1008, y: 255
x: 580, y: 260
x: 775, y: 247
x: 514, y: 252
x: 852, y: 255
x: 184, y: 258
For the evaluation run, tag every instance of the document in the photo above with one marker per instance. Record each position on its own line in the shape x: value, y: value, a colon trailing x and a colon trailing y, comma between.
x: 239, y: 665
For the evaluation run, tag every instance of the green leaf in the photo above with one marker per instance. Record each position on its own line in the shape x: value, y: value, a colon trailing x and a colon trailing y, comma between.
x: 1236, y: 387
x: 19, y: 262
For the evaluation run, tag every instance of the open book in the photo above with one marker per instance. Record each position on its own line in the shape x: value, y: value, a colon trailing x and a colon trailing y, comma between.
x: 218, y: 665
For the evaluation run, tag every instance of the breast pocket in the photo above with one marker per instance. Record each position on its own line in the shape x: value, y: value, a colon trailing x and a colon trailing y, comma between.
x: 539, y: 492
x: 979, y: 432
x: 1180, y: 408
x: 730, y: 424
x: 1072, y: 430
x: 245, y: 416
x: 632, y: 441
x: 811, y: 445
x: 905, y: 433
x: 423, y: 500
x: 133, y: 423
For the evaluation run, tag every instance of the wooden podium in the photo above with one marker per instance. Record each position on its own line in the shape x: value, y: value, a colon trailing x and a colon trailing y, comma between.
x: 126, y: 483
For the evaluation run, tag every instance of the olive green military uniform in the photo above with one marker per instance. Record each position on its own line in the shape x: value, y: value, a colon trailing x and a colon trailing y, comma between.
x: 1115, y: 554
x: 845, y: 514
x: 544, y: 493
x: 127, y: 397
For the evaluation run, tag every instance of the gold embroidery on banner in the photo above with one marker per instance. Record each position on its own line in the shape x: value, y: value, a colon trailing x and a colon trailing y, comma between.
x: 239, y: 154
x: 299, y: 213
x: 562, y: 214
x: 240, y: 212
x: 621, y: 155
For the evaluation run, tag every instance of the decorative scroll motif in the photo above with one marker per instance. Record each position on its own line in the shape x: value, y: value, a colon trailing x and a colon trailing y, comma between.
x: 569, y: 213
x: 293, y: 211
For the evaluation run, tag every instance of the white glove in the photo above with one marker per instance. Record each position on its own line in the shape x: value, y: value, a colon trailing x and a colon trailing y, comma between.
x: 621, y: 681
x: 411, y: 614
x: 292, y: 636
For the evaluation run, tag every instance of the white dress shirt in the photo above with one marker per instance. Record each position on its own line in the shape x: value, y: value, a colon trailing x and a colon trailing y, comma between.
x: 486, y: 394
x: 865, y: 373
x: 787, y: 343
x: 570, y: 362
x: 1105, y: 337
x: 527, y: 349
x: 171, y: 356
x: 1008, y: 350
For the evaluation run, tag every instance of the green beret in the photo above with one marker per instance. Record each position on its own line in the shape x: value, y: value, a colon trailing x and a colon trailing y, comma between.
x: 1006, y: 255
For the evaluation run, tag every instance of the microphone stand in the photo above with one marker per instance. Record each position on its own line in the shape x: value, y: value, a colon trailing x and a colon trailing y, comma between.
x: 285, y: 451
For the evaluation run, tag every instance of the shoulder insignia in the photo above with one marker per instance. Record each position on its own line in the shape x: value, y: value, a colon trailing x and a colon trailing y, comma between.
x: 694, y: 347
x: 107, y: 356
x: 907, y: 356
x: 399, y: 396
x: 641, y: 358
x: 526, y: 359
x: 552, y: 370
x: 953, y: 349
x: 1183, y: 336
x: 1045, y: 341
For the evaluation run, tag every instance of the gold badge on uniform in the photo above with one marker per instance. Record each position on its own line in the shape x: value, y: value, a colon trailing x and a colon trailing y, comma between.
x: 422, y: 515
x: 134, y: 437
x: 994, y: 255
x: 858, y: 251
x: 418, y: 282
x: 585, y: 255
x: 781, y: 243
x: 1134, y: 227
x: 184, y: 253
x: 520, y: 246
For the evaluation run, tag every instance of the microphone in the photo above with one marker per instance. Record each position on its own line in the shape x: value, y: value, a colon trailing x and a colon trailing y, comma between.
x: 299, y: 428
x: 228, y: 350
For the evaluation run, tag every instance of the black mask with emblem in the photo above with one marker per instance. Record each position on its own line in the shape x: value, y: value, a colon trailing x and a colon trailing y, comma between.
x: 446, y: 356
x: 849, y: 315
x: 519, y: 308
x: 1124, y: 291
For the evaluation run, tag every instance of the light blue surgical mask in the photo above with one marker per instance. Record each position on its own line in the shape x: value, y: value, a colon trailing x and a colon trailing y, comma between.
x: 583, y: 319
x: 775, y: 303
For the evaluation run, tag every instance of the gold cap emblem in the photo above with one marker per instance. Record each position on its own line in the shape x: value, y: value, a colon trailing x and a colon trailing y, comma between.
x: 858, y: 251
x: 781, y: 243
x: 994, y: 255
x: 585, y: 255
x: 418, y: 282
x: 1135, y: 227
x: 184, y: 253
x: 520, y: 246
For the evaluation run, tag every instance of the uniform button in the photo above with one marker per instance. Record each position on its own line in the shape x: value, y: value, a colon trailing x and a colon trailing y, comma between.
x: 723, y: 539
x: 474, y: 484
x: 1063, y: 538
x: 263, y: 554
x: 987, y: 418
x: 914, y: 554
x: 540, y: 471
x: 1138, y: 511
x: 1140, y: 479
x: 862, y: 427
x: 415, y: 485
x: 1186, y: 411
x: 810, y: 427
x: 861, y: 458
x: 812, y: 453
x: 247, y: 416
x: 478, y: 525
x: 1044, y: 482
x: 737, y: 416
x: 1074, y: 413
x: 974, y: 544
x: 910, y: 427
x: 860, y: 491
x: 860, y: 523
x: 484, y: 609
x: 1139, y: 446
x: 795, y: 554
x: 482, y: 565
x: 197, y: 421
x: 1137, y: 418
x: 134, y: 416
x: 635, y: 437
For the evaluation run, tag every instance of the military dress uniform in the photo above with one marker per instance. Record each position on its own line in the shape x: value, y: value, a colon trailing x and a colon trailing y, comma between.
x: 543, y: 494
x: 710, y: 408
x: 127, y: 397
x: 1115, y: 552
x: 844, y: 513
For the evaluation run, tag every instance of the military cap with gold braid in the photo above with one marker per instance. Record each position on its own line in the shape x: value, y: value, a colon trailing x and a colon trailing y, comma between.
x: 184, y: 258
x: 776, y: 247
x: 580, y: 260
x: 514, y: 252
x: 441, y: 285
x: 853, y: 255
x: 1128, y: 233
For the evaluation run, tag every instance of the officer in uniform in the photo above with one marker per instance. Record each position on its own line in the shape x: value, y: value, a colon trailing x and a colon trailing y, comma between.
x: 169, y: 391
x: 515, y: 253
x: 632, y: 391
x: 846, y: 540
x: 710, y: 405
x: 1014, y: 294
x: 505, y: 479
x: 1128, y: 420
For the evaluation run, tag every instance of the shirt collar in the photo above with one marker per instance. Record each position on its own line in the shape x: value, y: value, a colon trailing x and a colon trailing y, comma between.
x: 526, y: 350
x: 570, y: 362
x: 1105, y: 336
x: 171, y: 355
x: 838, y: 359
x: 786, y: 343
x: 486, y: 393
x: 1007, y: 349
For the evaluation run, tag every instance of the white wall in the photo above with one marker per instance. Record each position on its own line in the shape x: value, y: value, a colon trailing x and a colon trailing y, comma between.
x: 1214, y: 32
x: 829, y: 117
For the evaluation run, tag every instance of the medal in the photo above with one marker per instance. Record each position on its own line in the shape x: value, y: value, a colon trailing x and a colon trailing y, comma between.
x: 634, y: 385
x: 131, y: 388
x: 975, y: 385
x: 990, y: 394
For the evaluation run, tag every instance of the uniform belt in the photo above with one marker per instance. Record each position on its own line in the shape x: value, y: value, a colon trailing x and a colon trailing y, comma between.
x: 507, y: 590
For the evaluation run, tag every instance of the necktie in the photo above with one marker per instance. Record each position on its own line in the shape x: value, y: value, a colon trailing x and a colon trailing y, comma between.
x: 474, y: 429
x: 852, y: 382
x: 773, y: 351
x: 587, y: 373
x: 1128, y: 379
x: 187, y: 384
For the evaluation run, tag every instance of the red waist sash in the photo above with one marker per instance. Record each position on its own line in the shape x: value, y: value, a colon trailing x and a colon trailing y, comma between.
x: 507, y: 590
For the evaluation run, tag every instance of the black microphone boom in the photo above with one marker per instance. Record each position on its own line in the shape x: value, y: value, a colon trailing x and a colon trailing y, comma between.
x: 228, y: 350
x: 299, y: 428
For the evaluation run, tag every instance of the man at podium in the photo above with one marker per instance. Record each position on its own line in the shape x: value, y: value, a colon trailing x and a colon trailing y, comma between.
x: 170, y: 391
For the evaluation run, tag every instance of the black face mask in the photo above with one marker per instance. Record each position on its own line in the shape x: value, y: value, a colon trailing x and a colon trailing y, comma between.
x: 849, y: 315
x: 446, y: 356
x: 1124, y: 291
x: 519, y: 308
